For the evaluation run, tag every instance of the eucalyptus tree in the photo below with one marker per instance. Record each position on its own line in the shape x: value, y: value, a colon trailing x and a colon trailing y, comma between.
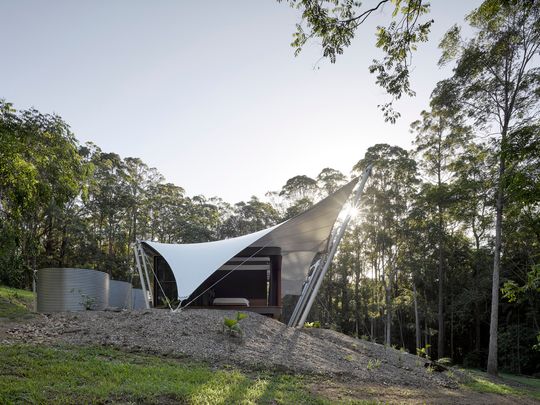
x: 139, y: 178
x: 165, y: 205
x: 498, y: 80
x: 440, y: 137
x: 202, y: 220
x: 387, y: 200
x: 301, y: 186
x: 416, y: 259
x: 300, y: 193
x: 297, y: 207
x: 522, y: 252
x: 108, y: 210
x: 330, y: 180
x: 358, y: 275
x: 473, y: 192
x: 249, y: 217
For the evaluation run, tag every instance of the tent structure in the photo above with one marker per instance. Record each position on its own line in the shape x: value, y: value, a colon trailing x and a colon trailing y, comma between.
x: 254, y: 270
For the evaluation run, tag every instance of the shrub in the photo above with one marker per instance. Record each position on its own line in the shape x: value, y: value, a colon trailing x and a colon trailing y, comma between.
x: 445, y: 361
x: 232, y: 326
x: 372, y: 364
x: 423, y: 351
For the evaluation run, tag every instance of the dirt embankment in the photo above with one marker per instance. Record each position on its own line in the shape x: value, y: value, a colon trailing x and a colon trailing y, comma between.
x: 266, y: 344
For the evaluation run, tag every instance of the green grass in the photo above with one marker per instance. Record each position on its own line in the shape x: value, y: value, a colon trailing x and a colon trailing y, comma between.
x: 15, y: 303
x: 504, y: 384
x: 67, y: 374
x: 525, y: 380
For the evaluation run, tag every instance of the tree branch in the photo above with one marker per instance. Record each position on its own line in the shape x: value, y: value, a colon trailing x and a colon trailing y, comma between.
x: 365, y: 14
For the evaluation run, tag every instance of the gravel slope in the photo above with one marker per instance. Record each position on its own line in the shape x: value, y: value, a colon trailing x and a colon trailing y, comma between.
x: 266, y: 344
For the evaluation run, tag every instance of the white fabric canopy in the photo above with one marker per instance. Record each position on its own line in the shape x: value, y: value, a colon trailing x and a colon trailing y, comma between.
x: 300, y: 239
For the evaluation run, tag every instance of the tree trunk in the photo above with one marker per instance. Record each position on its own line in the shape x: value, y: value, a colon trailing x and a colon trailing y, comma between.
x: 440, y: 338
x: 401, y: 329
x: 417, y: 320
x: 477, y: 325
x: 451, y: 325
x: 440, y: 316
x: 494, y: 321
x: 63, y: 247
x: 344, y: 305
x: 517, y: 344
x: 426, y: 337
x: 388, y: 317
x: 357, y: 299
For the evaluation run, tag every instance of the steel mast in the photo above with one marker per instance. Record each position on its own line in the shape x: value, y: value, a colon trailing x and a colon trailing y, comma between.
x: 319, y: 269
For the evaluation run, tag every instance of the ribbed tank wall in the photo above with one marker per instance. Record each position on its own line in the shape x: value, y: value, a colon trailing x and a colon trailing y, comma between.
x: 120, y: 294
x: 138, y: 299
x: 66, y: 289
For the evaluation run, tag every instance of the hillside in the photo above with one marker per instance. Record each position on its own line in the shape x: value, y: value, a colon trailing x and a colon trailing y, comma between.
x: 15, y: 303
x: 341, y: 367
x: 266, y: 344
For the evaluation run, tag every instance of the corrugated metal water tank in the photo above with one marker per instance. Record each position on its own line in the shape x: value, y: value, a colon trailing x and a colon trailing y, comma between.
x: 138, y: 299
x: 120, y: 294
x: 66, y: 289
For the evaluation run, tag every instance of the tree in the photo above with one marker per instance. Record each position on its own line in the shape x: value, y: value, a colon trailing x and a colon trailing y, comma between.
x: 335, y: 23
x: 299, y: 187
x: 248, y: 217
x: 330, y: 180
x: 440, y: 137
x: 473, y: 191
x: 386, y: 199
x: 139, y: 178
x: 41, y: 172
x: 499, y: 89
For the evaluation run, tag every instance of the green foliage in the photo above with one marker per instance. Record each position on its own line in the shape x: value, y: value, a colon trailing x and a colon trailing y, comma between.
x: 99, y: 375
x: 423, y: 351
x: 41, y: 173
x: 335, y: 24
x: 329, y: 180
x: 349, y: 357
x: 537, y: 345
x: 516, y: 349
x: 373, y: 364
x: 314, y: 324
x: 232, y: 326
x: 515, y: 293
x: 299, y: 187
x: 241, y: 315
x: 15, y: 303
x: 248, y: 217
x: 445, y: 361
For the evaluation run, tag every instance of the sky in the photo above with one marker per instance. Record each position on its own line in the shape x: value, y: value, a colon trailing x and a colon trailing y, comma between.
x: 209, y: 92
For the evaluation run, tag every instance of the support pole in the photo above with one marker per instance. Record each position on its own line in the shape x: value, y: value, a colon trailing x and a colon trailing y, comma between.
x: 311, y: 289
x: 135, y: 247
x: 145, y: 268
x: 34, y: 289
x: 307, y: 287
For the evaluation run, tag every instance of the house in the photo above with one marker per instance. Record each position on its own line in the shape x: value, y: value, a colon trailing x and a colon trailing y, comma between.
x: 251, y: 272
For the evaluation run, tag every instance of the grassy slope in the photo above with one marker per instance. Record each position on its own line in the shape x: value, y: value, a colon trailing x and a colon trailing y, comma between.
x: 15, y: 303
x: 505, y: 384
x: 73, y: 375
x: 32, y: 374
